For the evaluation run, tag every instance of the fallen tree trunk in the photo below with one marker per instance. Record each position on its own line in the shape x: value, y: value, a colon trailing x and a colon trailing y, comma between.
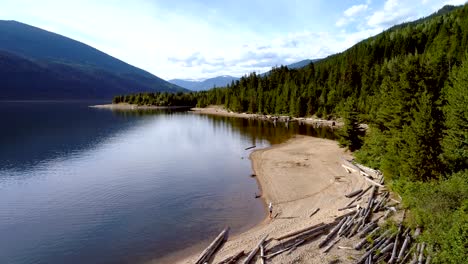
x: 211, y: 249
x: 330, y: 246
x: 262, y: 254
x: 403, y: 248
x: 332, y: 232
x: 303, y: 230
x: 338, y: 218
x: 255, y: 250
x: 354, y: 193
x: 373, y: 182
x: 233, y: 258
x: 359, y: 196
x: 347, y: 207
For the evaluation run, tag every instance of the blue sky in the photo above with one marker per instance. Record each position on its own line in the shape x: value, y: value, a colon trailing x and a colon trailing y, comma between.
x: 207, y: 38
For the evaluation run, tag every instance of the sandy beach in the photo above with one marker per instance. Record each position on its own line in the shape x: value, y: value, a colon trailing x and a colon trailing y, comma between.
x: 298, y: 176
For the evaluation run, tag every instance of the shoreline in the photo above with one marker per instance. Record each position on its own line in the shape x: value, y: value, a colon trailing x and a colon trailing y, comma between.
x: 125, y: 106
x: 298, y: 176
x: 220, y: 111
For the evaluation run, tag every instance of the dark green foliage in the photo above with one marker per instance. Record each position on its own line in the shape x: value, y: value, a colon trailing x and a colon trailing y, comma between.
x: 350, y: 134
x: 158, y: 99
x: 455, y: 142
x: 442, y: 209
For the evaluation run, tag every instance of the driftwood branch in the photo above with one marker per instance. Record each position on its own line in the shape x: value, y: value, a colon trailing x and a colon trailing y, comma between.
x: 211, y: 249
x: 354, y: 193
x: 359, y: 196
x: 255, y: 250
x: 303, y: 230
x: 314, y: 212
x: 233, y: 258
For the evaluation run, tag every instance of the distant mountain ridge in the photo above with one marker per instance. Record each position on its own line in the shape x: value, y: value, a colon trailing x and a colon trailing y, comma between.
x: 219, y: 81
x: 223, y: 81
x: 38, y: 64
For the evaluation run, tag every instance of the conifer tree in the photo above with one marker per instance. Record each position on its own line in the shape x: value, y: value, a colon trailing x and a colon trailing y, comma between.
x: 351, y: 133
x: 455, y: 140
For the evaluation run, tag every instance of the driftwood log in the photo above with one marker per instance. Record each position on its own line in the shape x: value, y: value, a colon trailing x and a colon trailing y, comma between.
x: 359, y: 196
x: 332, y: 233
x: 233, y: 258
x: 255, y: 250
x: 354, y: 193
x: 303, y: 230
x: 314, y: 212
x: 211, y: 249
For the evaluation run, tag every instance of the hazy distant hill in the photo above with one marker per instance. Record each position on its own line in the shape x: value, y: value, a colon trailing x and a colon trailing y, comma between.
x: 300, y: 64
x: 296, y: 65
x: 38, y: 64
x: 220, y: 81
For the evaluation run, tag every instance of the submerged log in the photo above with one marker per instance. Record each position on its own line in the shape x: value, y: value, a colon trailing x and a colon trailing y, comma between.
x: 250, y: 147
x: 211, y: 249
x: 255, y: 250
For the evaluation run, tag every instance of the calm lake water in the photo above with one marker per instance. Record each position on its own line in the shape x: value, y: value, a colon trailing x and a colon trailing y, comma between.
x: 85, y: 185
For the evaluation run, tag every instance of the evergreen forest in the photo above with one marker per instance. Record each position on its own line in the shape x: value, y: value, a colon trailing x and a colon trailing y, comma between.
x: 410, y: 85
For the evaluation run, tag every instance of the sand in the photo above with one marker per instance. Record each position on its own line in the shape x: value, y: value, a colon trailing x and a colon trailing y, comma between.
x: 298, y: 176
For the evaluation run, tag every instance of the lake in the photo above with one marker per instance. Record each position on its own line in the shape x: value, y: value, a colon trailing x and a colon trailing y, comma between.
x: 86, y: 185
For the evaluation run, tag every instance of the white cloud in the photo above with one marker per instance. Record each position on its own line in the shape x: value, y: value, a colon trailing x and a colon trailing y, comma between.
x: 350, y: 14
x: 354, y: 10
x: 393, y: 12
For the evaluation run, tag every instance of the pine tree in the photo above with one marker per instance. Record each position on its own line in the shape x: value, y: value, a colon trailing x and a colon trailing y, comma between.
x: 351, y: 133
x: 455, y: 140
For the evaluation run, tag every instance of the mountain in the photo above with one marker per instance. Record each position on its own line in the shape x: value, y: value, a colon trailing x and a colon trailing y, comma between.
x: 220, y: 81
x: 301, y: 64
x: 38, y: 64
x: 223, y: 81
x: 295, y: 65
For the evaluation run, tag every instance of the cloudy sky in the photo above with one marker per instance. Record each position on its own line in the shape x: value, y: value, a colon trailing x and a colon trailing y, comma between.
x: 205, y: 38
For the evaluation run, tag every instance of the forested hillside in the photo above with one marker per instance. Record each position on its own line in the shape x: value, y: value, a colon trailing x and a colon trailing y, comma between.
x: 410, y: 84
x: 36, y: 64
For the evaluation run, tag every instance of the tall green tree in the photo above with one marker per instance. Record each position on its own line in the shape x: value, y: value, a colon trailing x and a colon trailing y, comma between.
x: 455, y: 140
x: 351, y: 133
